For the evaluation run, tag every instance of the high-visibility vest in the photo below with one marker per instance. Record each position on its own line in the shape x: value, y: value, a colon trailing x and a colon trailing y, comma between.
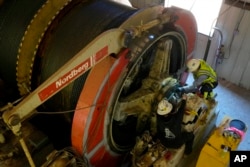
x: 207, y: 70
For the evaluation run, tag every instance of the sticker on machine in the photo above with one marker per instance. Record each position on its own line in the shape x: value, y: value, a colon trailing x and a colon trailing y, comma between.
x: 72, y: 74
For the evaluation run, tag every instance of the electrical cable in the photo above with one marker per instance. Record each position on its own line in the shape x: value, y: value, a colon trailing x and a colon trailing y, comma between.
x: 67, y: 111
x: 192, y: 5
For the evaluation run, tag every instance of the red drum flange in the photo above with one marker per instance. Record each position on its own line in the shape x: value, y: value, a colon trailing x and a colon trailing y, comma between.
x: 91, y: 116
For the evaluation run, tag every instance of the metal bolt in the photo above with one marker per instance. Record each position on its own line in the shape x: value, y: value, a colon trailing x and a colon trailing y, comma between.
x: 14, y: 120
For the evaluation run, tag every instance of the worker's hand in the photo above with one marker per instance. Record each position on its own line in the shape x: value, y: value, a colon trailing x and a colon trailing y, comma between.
x: 184, y: 96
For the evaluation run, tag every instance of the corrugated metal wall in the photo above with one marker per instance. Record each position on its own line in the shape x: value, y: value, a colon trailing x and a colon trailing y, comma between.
x: 235, y: 67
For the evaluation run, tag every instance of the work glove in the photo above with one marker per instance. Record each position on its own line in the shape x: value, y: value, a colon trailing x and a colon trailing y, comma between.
x: 190, y: 89
x: 187, y: 89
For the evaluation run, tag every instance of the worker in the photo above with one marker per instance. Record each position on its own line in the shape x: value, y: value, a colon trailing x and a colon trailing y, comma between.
x: 205, y: 78
x: 169, y: 125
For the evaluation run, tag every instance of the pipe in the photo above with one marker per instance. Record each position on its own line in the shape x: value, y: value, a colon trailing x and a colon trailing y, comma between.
x: 209, y: 42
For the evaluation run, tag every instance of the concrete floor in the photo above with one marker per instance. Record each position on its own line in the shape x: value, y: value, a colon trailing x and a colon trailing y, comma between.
x: 234, y: 101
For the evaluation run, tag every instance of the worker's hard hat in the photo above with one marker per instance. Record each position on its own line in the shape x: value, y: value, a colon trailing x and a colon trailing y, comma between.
x: 164, y: 107
x: 193, y: 65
